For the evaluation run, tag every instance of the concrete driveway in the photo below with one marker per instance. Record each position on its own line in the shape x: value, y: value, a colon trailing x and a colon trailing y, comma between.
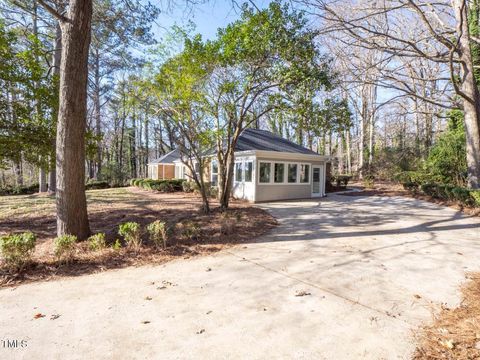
x: 373, y: 269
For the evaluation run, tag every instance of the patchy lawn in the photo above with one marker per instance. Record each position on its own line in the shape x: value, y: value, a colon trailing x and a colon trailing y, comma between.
x: 108, y: 208
x: 455, y: 333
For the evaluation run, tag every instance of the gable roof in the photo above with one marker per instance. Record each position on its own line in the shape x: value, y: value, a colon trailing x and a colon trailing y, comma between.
x: 168, y: 158
x: 254, y: 139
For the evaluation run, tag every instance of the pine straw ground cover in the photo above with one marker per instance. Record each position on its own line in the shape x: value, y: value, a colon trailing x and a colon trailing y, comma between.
x: 455, y: 333
x: 192, y: 233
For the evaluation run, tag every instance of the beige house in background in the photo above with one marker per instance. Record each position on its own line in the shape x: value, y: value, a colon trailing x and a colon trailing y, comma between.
x: 163, y: 168
x: 267, y: 168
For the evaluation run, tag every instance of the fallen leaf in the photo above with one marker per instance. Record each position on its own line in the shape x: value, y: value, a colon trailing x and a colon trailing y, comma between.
x: 38, y: 316
x: 417, y: 296
x: 148, y: 298
x: 302, y: 293
x: 208, y: 269
x: 54, y: 316
x: 209, y: 312
x: 201, y: 331
x: 145, y: 322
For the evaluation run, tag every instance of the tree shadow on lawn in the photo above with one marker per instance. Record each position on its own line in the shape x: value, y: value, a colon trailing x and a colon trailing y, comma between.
x: 192, y: 233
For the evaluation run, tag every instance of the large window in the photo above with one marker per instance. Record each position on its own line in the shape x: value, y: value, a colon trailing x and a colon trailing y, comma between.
x: 292, y: 173
x: 214, y: 173
x: 279, y: 173
x: 238, y: 172
x: 265, y: 172
x: 248, y: 171
x: 304, y: 173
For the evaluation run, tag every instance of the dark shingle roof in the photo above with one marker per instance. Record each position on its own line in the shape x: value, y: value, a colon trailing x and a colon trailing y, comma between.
x: 167, y: 158
x: 254, y: 139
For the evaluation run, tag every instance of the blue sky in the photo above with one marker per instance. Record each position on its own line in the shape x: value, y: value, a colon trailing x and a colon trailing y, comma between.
x: 207, y: 17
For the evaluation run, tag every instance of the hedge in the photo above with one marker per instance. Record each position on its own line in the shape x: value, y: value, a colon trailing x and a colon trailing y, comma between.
x: 463, y: 195
x: 171, y: 185
x: 19, y: 190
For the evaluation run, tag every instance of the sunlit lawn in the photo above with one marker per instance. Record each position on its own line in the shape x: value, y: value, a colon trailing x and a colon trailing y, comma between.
x: 44, y: 205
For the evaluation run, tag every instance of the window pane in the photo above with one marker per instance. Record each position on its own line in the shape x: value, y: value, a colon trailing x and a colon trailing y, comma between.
x: 304, y: 173
x: 197, y: 167
x: 264, y: 172
x: 292, y: 173
x: 248, y: 171
x: 279, y: 172
x: 214, y: 167
x: 214, y: 180
x: 238, y: 172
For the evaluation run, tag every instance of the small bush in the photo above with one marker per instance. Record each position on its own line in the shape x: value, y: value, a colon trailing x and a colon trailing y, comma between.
x: 369, y: 181
x: 65, y: 247
x: 411, y: 186
x: 188, y: 186
x: 158, y: 233
x: 475, y: 194
x: 17, y: 249
x: 97, y: 242
x: 117, y: 245
x: 132, y: 182
x: 342, y: 180
x: 19, y: 190
x: 213, y: 191
x: 131, y: 233
x: 164, y: 187
x: 96, y: 184
x: 462, y: 195
x: 227, y: 226
x: 191, y: 231
x: 429, y: 189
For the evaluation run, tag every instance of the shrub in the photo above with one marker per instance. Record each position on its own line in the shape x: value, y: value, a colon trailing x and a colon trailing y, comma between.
x: 188, y: 186
x: 19, y: 190
x: 164, y: 187
x: 342, y: 180
x: 97, y: 242
x: 227, y: 225
x: 132, y: 182
x: 131, y: 233
x: 463, y: 196
x: 65, y: 247
x: 158, y: 233
x: 191, y: 231
x: 369, y: 181
x: 214, y: 191
x: 410, y: 186
x: 475, y: 194
x: 17, y: 249
x: 96, y: 184
x: 117, y: 245
x: 429, y: 189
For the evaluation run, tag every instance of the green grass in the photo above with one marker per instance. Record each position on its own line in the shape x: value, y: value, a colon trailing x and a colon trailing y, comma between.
x: 26, y: 205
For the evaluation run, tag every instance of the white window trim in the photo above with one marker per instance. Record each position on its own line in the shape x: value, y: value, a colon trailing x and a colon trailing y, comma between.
x: 285, y: 175
x: 212, y: 173
x: 243, y: 168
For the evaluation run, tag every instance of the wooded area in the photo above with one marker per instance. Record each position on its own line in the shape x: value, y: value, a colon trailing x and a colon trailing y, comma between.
x: 89, y: 93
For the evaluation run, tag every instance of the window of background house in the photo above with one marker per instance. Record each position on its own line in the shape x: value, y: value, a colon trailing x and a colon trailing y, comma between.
x: 304, y: 173
x: 265, y: 170
x: 292, y: 173
x: 279, y: 172
x: 238, y: 172
x: 214, y: 173
x: 248, y: 171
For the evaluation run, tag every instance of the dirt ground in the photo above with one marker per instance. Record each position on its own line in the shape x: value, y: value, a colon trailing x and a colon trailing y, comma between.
x: 110, y: 207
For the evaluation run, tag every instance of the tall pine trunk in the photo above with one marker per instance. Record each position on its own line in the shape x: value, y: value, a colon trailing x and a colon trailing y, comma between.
x: 71, y: 201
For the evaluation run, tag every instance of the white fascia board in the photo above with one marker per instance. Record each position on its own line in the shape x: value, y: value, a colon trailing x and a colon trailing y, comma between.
x: 291, y: 156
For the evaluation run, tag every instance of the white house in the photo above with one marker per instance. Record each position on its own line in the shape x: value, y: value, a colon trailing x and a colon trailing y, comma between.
x: 269, y: 167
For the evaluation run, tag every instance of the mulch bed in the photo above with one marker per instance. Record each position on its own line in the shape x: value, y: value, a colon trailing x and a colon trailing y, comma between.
x: 455, y: 333
x: 240, y: 224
